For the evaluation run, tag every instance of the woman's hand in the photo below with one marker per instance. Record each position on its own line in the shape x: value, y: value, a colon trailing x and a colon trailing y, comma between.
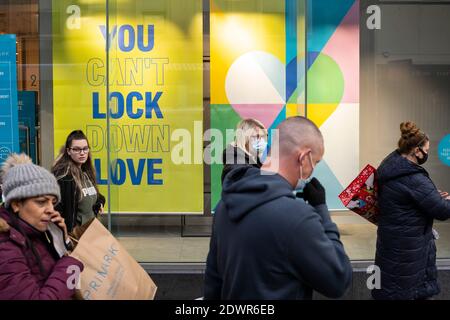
x: 444, y: 194
x: 59, y: 221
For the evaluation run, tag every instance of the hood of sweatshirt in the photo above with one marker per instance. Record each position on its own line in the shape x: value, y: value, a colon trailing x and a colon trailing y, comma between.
x: 243, y: 183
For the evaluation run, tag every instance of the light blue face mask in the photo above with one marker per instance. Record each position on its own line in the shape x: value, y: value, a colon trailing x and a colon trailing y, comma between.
x: 301, y: 184
x: 259, y: 145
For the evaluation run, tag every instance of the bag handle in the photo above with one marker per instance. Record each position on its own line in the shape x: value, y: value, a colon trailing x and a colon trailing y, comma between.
x: 73, y: 239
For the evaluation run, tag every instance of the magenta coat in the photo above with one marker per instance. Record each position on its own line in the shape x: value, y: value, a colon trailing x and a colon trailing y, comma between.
x: 20, y: 275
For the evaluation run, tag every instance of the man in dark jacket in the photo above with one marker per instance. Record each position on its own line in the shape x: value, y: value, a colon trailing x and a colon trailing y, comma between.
x: 406, y: 252
x: 266, y: 244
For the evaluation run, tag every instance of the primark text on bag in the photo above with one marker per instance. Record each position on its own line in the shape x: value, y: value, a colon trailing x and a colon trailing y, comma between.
x: 110, y: 272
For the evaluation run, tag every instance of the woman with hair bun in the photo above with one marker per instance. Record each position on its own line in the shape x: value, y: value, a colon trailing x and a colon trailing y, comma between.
x: 409, y: 202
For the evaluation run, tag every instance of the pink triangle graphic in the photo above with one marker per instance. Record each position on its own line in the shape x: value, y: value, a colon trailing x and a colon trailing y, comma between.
x: 343, y: 47
x: 266, y: 113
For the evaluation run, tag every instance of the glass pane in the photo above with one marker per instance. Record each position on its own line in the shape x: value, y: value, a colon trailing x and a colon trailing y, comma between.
x: 78, y: 80
x: 257, y: 68
x: 19, y: 78
x: 333, y: 82
x: 405, y: 77
x: 156, y: 125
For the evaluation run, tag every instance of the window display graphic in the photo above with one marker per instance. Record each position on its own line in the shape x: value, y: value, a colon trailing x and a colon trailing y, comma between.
x: 255, y: 72
x: 444, y: 150
x: 9, y: 133
x: 154, y: 66
x: 333, y: 90
x: 258, y: 71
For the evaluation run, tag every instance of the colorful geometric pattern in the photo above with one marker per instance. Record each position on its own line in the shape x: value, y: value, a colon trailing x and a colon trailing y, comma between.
x: 248, y: 68
x: 258, y: 70
x: 333, y: 90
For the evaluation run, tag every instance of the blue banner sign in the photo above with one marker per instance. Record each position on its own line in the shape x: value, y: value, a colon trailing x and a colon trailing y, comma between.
x: 9, y: 127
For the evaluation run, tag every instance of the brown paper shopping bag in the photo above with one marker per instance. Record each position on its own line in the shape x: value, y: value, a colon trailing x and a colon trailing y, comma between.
x: 110, y: 273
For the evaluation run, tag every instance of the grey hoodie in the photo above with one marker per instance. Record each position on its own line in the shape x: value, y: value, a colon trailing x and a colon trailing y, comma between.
x: 266, y: 244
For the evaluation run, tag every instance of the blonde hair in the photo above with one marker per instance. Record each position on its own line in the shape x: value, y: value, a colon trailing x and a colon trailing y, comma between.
x: 244, y: 131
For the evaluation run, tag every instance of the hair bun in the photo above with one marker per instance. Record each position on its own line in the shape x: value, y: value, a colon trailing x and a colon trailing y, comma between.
x: 409, y: 129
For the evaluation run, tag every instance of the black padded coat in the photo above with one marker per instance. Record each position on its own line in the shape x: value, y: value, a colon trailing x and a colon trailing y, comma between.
x: 406, y: 251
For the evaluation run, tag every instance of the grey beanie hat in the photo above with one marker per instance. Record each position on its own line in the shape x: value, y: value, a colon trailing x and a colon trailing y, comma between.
x: 22, y: 179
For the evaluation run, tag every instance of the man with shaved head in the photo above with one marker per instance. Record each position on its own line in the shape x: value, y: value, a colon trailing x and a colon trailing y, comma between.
x: 266, y: 243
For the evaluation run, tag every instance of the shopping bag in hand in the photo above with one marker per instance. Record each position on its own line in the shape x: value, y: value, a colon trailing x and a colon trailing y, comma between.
x: 110, y: 273
x: 361, y: 195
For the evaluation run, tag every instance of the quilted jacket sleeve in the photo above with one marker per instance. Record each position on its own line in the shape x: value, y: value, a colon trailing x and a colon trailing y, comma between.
x: 17, y: 282
x: 68, y: 201
x: 428, y: 198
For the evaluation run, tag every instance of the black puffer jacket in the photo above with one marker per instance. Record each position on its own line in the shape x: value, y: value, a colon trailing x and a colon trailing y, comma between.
x: 233, y: 157
x: 406, y: 252
x: 70, y: 195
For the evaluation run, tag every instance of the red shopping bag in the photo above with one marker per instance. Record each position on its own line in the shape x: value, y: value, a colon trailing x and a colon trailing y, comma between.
x: 361, y: 195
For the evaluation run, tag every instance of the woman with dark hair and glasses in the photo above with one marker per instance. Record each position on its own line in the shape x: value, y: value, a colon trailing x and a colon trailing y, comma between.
x: 80, y: 198
x: 409, y: 202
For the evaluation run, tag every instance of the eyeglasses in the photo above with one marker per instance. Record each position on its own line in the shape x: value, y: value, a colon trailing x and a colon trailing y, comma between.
x: 78, y: 150
x: 258, y: 137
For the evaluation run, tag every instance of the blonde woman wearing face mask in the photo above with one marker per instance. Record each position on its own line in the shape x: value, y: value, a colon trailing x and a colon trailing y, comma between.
x: 248, y: 148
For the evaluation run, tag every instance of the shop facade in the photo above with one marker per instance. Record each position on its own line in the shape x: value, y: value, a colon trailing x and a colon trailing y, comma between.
x: 158, y: 87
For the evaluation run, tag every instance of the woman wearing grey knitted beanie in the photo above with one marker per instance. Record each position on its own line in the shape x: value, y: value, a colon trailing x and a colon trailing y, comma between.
x: 30, y: 266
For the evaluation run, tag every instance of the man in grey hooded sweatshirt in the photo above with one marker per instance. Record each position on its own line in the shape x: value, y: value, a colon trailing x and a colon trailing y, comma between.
x: 266, y: 244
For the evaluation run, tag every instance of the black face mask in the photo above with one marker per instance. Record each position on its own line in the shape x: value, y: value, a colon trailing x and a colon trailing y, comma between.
x: 421, y: 161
